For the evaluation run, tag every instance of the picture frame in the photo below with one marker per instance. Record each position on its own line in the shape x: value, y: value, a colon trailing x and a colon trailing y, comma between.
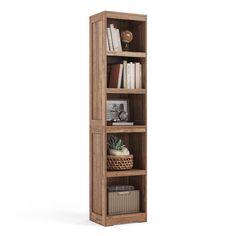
x: 114, y: 107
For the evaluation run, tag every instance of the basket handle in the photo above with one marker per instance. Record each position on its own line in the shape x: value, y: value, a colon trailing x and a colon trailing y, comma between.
x: 124, y: 192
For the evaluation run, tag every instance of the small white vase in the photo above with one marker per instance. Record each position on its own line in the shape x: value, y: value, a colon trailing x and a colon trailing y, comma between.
x: 123, y: 152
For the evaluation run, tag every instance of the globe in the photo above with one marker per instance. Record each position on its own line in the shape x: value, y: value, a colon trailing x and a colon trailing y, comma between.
x: 126, y: 38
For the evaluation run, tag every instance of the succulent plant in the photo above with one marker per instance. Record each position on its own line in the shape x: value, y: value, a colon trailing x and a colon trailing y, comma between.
x: 115, y: 143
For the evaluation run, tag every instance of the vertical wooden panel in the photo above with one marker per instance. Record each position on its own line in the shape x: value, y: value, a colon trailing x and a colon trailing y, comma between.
x: 96, y: 71
x: 97, y: 174
x: 97, y: 119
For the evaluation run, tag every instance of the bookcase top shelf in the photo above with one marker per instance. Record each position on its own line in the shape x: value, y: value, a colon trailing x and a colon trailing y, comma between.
x: 127, y: 54
x: 121, y: 16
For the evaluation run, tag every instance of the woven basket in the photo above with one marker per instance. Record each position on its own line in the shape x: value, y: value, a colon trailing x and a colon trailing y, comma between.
x: 120, y: 162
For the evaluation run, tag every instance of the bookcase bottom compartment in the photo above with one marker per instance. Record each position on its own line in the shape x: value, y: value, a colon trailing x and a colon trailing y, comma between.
x: 128, y: 201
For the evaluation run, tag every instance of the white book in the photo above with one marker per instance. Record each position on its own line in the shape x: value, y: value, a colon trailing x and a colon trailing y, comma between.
x: 107, y: 45
x: 124, y: 74
x: 128, y: 75
x: 109, y: 39
x: 120, y: 76
x: 136, y: 75
x: 114, y: 38
x: 119, y: 41
x: 132, y: 76
x: 140, y: 75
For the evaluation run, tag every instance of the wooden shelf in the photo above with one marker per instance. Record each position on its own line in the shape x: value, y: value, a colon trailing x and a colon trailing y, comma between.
x: 133, y: 172
x: 126, y: 218
x: 125, y: 91
x: 126, y: 129
x: 127, y: 54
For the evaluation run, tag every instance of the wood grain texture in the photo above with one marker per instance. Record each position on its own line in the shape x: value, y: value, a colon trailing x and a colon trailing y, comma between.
x: 125, y: 16
x: 134, y: 137
x: 127, y: 54
x: 125, y: 91
x: 126, y: 218
x: 126, y: 129
x: 97, y: 120
x: 132, y: 172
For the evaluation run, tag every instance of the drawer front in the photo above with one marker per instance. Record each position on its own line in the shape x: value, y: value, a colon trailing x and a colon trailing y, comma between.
x: 123, y: 202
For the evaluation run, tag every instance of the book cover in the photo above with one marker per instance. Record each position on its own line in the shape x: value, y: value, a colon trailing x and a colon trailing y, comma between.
x: 124, y: 74
x: 114, y: 76
x: 114, y: 38
x: 109, y: 39
x: 128, y: 75
x: 107, y: 45
x: 108, y: 73
x: 119, y: 41
x: 120, y: 76
x: 140, y: 75
x: 132, y: 76
x: 136, y: 75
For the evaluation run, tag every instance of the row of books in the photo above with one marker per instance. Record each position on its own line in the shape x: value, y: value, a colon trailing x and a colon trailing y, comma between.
x: 127, y: 75
x: 113, y: 42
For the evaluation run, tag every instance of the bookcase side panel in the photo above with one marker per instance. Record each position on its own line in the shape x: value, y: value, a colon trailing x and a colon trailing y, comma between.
x: 97, y: 71
x: 97, y: 120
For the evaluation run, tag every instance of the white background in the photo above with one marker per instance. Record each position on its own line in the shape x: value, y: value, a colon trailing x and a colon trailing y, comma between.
x: 44, y: 101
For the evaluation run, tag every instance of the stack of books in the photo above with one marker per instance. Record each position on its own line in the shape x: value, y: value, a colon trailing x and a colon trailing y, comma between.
x: 127, y: 75
x: 113, y: 42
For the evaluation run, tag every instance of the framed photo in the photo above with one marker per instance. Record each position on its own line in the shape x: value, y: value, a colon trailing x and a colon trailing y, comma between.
x: 115, y: 108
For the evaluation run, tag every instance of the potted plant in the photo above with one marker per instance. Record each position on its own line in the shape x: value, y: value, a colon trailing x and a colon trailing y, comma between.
x: 119, y: 157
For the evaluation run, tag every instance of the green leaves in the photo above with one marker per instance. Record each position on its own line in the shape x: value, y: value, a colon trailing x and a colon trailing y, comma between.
x: 115, y: 143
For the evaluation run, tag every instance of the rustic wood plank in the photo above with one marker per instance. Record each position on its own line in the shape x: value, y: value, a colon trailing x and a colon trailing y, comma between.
x: 126, y: 218
x: 125, y: 91
x: 126, y: 129
x: 132, y: 172
x: 125, y: 16
x: 127, y: 54
x: 96, y: 218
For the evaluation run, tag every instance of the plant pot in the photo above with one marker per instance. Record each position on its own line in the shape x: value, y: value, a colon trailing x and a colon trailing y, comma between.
x: 120, y: 162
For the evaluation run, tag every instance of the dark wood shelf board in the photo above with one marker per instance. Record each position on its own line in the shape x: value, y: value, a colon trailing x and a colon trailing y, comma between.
x: 133, y: 172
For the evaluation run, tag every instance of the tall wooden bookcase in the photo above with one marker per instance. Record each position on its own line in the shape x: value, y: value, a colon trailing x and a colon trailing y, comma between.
x: 135, y: 136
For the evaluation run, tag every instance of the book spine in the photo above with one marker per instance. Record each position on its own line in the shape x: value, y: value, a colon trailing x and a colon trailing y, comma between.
x: 136, y: 75
x: 118, y: 38
x: 114, y: 38
x: 128, y: 75
x: 107, y: 45
x: 120, y: 76
x: 124, y: 74
x: 140, y: 76
x: 132, y: 76
x: 109, y: 39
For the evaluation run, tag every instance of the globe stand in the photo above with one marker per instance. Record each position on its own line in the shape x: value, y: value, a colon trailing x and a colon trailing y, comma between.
x: 126, y: 47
